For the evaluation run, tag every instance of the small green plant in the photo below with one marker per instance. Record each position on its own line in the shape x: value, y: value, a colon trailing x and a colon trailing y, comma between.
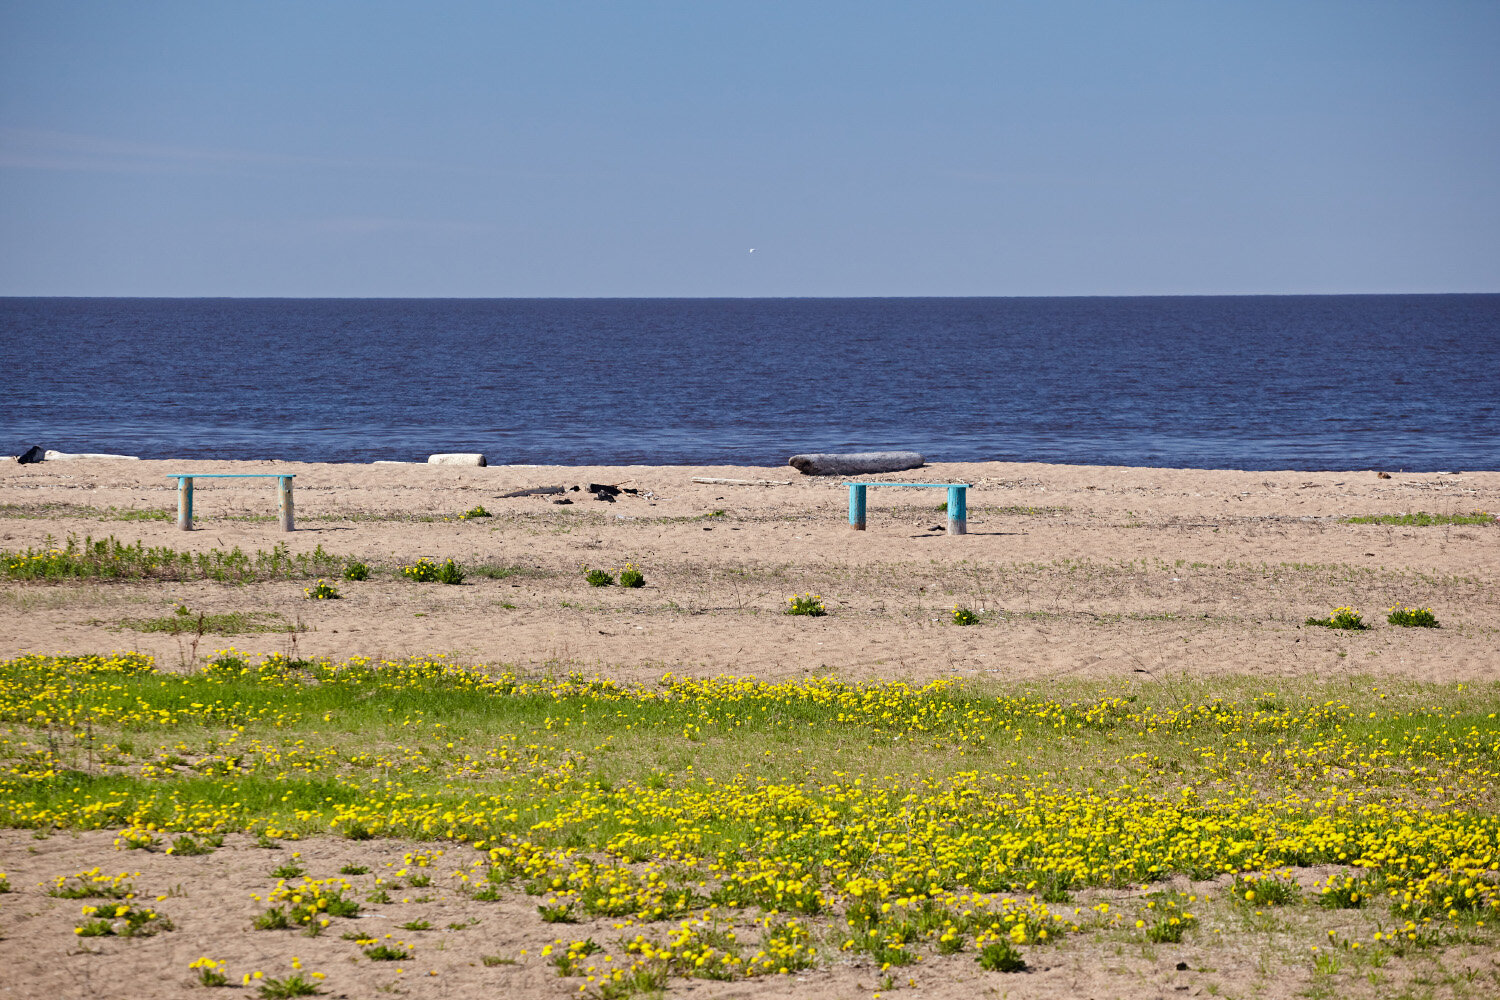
x: 188, y: 846
x: 356, y: 571
x: 386, y: 953
x: 294, y: 985
x: 1264, y: 890
x: 273, y: 919
x: 289, y: 870
x: 121, y: 920
x: 476, y: 512
x: 599, y: 577
x: 266, y: 842
x: 419, y: 881
x: 210, y: 973
x: 1344, y: 892
x: 416, y: 925
x: 1412, y: 617
x: 964, y: 616
x: 631, y: 576
x: 424, y: 570
x: 322, y: 591
x: 92, y: 884
x: 561, y: 913
x: 1166, y: 917
x: 806, y: 604
x: 1344, y: 618
x: 490, y: 961
x: 354, y: 870
x: 1000, y: 955
x: 4, y: 883
x: 566, y: 962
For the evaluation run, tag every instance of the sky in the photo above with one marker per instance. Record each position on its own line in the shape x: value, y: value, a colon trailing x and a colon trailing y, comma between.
x: 487, y: 149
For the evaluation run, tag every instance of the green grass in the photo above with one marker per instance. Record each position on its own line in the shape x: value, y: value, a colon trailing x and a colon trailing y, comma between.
x: 611, y: 800
x: 59, y: 510
x: 229, y: 623
x: 499, y: 571
x: 112, y: 559
x: 1421, y: 519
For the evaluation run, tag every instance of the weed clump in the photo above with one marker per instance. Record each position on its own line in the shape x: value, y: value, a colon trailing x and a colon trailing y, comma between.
x: 476, y: 512
x: 599, y: 577
x: 631, y: 576
x: 806, y: 604
x: 425, y: 570
x: 321, y: 591
x: 1264, y: 890
x: 187, y: 845
x: 356, y: 571
x: 964, y: 616
x: 1412, y: 617
x: 1165, y: 919
x: 1341, y: 618
x: 210, y: 973
x: 121, y: 920
x: 1345, y: 892
x: 1000, y: 955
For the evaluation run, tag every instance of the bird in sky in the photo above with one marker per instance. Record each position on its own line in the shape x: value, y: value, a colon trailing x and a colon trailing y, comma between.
x: 752, y: 249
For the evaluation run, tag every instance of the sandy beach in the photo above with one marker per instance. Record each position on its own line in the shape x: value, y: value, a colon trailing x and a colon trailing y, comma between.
x: 1080, y: 577
x: 1081, y: 571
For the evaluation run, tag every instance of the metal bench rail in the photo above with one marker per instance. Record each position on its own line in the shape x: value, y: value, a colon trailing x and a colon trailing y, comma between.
x: 958, y: 503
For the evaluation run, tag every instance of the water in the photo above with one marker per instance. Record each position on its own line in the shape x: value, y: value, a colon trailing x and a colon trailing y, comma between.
x: 1297, y: 382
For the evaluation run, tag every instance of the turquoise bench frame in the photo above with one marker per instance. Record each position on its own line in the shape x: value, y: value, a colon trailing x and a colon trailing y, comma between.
x: 958, y: 504
x: 185, y: 494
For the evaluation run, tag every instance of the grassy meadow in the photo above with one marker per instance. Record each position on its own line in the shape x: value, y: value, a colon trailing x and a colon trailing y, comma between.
x: 730, y: 828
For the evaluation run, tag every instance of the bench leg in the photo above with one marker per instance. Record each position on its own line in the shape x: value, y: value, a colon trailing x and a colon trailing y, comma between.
x: 284, y: 503
x: 185, y: 503
x: 958, y: 510
x: 856, y: 507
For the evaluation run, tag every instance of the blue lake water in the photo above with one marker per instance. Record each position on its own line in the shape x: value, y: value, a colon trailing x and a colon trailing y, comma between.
x: 1253, y: 382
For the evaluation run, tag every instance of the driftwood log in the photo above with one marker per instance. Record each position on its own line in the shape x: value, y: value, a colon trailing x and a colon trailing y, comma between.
x: 859, y: 463
x: 63, y: 456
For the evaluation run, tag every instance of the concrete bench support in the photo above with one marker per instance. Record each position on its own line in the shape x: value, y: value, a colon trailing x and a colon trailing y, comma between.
x: 184, y: 503
x: 185, y: 495
x: 958, y: 504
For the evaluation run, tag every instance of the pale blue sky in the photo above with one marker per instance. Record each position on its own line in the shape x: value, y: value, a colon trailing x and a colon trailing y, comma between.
x: 346, y: 148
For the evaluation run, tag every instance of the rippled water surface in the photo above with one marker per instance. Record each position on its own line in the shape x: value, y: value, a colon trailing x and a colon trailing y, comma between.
x: 1304, y: 382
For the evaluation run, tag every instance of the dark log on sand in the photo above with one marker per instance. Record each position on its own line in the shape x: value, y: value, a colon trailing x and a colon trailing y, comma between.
x: 859, y: 463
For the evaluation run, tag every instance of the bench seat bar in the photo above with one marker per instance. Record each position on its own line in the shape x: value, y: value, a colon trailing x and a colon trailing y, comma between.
x: 958, y: 504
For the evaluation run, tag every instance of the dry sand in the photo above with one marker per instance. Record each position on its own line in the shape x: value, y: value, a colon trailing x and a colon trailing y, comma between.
x: 1086, y: 572
x: 1083, y: 572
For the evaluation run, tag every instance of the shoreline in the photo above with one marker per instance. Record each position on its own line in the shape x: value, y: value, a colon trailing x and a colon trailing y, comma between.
x: 1441, y: 469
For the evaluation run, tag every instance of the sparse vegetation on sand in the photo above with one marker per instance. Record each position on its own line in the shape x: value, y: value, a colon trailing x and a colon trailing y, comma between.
x: 1419, y: 519
x: 111, y: 559
x: 185, y: 621
x: 742, y: 828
